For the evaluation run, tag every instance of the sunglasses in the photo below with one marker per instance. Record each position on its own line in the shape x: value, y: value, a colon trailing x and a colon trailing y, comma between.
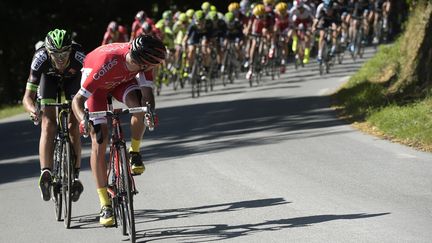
x: 143, y: 67
x: 61, y: 54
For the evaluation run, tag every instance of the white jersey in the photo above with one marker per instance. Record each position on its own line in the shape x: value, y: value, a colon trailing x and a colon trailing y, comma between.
x: 302, y: 16
x: 318, y: 13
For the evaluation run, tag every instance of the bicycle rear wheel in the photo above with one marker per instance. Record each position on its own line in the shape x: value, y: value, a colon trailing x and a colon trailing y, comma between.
x: 67, y: 182
x: 195, y: 83
x: 57, y: 175
x: 127, y: 194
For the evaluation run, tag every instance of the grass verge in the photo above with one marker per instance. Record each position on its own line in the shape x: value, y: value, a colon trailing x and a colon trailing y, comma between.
x: 8, y: 111
x: 364, y: 101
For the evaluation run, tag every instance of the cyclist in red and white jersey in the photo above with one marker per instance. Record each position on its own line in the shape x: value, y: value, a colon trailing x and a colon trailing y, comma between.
x: 282, y: 29
x: 256, y: 27
x: 115, y: 33
x: 140, y: 19
x: 124, y: 70
x: 301, y: 14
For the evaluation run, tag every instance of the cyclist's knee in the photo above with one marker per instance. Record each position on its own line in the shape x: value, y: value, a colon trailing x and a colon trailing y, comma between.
x: 99, y: 135
x: 49, y: 124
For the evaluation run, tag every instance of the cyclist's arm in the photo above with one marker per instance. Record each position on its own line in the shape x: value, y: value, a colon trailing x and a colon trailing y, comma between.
x: 78, y: 106
x: 38, y: 65
x: 145, y: 81
x: 28, y: 101
x: 88, y: 86
x: 30, y: 96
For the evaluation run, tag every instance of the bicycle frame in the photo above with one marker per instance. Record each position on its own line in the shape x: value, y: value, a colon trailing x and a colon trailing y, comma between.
x: 64, y: 161
x: 121, y: 188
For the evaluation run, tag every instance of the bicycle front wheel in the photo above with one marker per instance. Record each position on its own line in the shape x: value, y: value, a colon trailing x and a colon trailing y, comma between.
x: 57, y: 179
x: 67, y: 182
x: 127, y: 194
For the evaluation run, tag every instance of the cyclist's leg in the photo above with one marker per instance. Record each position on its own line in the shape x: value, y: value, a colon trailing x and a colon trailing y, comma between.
x: 386, y: 12
x: 48, y: 94
x: 320, y: 44
x: 207, y: 44
x: 99, y: 138
x: 335, y: 33
x: 365, y: 21
x: 307, y: 44
x: 131, y: 95
x: 355, y: 26
x: 322, y: 24
x: 251, y: 58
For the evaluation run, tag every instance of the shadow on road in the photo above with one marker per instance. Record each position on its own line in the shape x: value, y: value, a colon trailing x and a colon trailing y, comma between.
x: 193, y: 129
x: 151, y: 215
x: 214, y: 232
x: 212, y: 127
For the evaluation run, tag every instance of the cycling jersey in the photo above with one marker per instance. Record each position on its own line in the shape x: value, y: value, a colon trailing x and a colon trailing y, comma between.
x: 179, y: 30
x: 343, y: 7
x: 360, y: 7
x: 327, y: 17
x: 269, y: 18
x: 167, y: 34
x: 304, y: 17
x: 104, y: 71
x: 282, y: 23
x: 115, y: 36
x: 153, y: 32
x: 379, y: 5
x: 136, y: 27
x: 195, y: 33
x: 234, y: 30
x: 258, y: 24
x: 219, y: 29
x: 242, y: 18
x: 44, y: 74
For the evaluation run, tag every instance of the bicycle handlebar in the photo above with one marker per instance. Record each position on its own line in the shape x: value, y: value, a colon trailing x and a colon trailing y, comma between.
x: 61, y: 105
x: 100, y: 114
x: 149, y: 115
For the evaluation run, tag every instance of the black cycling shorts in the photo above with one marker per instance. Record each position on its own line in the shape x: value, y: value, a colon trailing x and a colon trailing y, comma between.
x: 48, y: 87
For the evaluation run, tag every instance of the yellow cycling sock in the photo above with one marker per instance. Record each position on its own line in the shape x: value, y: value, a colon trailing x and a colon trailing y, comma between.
x: 307, y: 52
x: 135, y: 145
x: 294, y: 44
x: 103, y: 196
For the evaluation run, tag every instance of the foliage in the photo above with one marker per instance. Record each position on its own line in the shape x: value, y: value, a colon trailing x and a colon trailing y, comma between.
x: 390, y: 95
x: 24, y: 23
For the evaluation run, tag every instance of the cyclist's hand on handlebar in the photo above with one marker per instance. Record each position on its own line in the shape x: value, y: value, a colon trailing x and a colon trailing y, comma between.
x: 84, y: 126
x: 35, y: 117
x: 151, y: 120
x: 82, y: 129
x: 36, y: 114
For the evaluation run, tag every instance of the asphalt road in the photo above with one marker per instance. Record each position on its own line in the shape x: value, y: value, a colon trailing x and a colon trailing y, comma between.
x: 271, y: 163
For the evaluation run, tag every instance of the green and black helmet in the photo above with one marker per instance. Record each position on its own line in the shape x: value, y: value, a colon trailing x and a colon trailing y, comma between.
x: 58, y: 40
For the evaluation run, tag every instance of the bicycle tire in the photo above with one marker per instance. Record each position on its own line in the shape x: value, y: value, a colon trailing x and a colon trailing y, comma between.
x: 127, y: 196
x: 67, y: 182
x: 194, y: 81
x: 231, y: 73
x: 114, y: 192
x: 57, y: 175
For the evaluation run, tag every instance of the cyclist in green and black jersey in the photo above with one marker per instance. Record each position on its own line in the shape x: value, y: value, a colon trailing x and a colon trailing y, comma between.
x: 57, y: 61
